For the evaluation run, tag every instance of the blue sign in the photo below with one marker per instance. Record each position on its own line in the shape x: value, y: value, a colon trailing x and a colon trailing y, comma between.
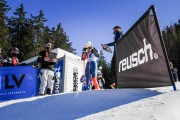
x: 18, y: 82
x: 59, y: 68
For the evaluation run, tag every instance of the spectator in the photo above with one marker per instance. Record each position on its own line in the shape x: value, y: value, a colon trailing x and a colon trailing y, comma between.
x: 15, y: 53
x: 47, y: 60
x: 100, y: 79
x: 7, y: 62
x: 174, y: 72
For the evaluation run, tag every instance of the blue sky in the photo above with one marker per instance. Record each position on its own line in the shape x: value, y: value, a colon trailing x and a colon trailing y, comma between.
x: 93, y: 20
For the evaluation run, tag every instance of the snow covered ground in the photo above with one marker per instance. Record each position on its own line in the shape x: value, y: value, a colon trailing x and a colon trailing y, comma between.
x: 126, y: 104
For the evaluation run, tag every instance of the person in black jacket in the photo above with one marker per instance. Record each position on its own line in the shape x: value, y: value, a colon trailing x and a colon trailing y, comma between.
x: 46, y: 60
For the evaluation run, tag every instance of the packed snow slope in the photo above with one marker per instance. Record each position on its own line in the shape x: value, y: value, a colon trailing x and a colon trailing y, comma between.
x: 165, y: 106
x: 126, y: 104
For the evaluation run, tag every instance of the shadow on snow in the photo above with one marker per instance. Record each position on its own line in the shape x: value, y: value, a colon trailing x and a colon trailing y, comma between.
x: 73, y: 105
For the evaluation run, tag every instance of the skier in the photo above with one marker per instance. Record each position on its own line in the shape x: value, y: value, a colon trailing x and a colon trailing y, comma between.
x: 46, y: 62
x: 91, y: 54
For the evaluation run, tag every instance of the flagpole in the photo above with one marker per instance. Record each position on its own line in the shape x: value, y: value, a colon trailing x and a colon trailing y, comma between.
x: 163, y: 48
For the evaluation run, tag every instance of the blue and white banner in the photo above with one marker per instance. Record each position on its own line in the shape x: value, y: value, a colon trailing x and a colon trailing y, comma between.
x: 18, y: 82
x: 59, y: 68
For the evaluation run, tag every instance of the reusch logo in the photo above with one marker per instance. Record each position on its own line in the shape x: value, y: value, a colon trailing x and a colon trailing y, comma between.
x: 138, y: 58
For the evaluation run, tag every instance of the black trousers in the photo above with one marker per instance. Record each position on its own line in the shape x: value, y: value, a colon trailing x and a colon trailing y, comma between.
x: 113, y: 69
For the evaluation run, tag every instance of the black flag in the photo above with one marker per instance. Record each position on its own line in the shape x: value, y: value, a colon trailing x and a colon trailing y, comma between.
x: 141, y: 58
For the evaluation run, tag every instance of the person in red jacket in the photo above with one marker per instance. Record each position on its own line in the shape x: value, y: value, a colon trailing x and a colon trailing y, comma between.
x: 15, y: 59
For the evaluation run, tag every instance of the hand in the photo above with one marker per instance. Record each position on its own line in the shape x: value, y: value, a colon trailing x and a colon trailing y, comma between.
x: 54, y: 60
x: 104, y: 45
x: 46, y: 59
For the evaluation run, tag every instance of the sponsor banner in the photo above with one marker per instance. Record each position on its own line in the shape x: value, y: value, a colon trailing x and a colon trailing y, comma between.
x: 59, y: 69
x: 140, y: 58
x: 17, y: 82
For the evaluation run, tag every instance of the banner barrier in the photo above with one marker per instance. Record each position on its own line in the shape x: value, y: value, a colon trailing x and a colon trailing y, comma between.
x: 141, y: 58
x: 18, y: 82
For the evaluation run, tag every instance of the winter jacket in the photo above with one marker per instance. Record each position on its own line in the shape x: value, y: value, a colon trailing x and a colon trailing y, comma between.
x: 45, y: 64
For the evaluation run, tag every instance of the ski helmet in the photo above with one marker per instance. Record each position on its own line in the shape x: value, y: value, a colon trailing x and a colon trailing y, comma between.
x: 16, y: 50
x: 88, y: 44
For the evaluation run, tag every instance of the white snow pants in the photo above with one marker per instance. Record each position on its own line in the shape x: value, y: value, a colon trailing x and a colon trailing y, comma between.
x: 46, y: 80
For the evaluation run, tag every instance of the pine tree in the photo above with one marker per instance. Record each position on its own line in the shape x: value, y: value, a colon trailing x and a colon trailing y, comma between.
x: 30, y: 37
x: 171, y: 36
x: 47, y: 35
x: 30, y: 34
x: 177, y: 45
x: 4, y: 8
x: 39, y: 28
x: 20, y: 34
x: 61, y: 40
